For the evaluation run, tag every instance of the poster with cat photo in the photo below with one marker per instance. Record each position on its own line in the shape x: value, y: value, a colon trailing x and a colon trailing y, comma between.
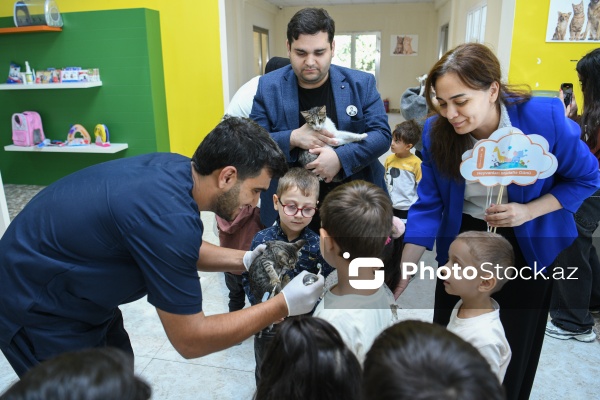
x: 404, y: 45
x: 573, y: 20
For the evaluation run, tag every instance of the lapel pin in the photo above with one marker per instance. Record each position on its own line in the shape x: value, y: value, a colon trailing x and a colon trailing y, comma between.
x: 351, y: 110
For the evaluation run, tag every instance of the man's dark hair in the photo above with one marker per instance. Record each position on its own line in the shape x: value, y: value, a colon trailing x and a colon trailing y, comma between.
x: 416, y: 360
x: 310, y: 21
x: 243, y: 144
x: 91, y: 374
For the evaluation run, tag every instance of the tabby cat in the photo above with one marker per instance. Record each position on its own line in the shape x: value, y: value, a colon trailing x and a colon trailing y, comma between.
x: 561, y: 26
x: 399, y: 45
x: 577, y: 21
x: 593, y: 21
x: 317, y: 119
x: 268, y: 270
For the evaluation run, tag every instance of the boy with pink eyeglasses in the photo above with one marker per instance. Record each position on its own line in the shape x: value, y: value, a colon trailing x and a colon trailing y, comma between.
x: 296, y: 203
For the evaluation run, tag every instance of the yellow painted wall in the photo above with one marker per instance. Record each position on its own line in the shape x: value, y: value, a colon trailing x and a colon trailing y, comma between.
x: 191, y: 60
x: 556, y: 62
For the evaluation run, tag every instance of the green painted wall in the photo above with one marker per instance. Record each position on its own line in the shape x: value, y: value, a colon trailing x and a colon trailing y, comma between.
x: 126, y: 46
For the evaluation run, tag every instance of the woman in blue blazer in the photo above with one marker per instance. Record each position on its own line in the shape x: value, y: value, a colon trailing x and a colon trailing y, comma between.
x: 537, y: 219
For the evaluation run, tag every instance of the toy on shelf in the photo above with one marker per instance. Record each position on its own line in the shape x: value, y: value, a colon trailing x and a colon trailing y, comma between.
x: 51, y: 75
x: 50, y: 142
x: 37, y: 12
x: 27, y: 129
x: 78, y: 74
x: 72, y: 140
x: 14, y: 73
x: 70, y: 74
x: 102, y: 135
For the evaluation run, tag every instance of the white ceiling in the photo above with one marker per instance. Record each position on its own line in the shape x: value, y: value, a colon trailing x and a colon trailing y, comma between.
x: 308, y: 3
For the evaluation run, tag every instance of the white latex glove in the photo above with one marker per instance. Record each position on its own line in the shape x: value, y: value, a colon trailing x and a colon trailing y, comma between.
x: 250, y: 256
x: 301, y: 299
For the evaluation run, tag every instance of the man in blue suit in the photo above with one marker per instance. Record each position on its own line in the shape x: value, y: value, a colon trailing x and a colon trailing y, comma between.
x: 351, y: 99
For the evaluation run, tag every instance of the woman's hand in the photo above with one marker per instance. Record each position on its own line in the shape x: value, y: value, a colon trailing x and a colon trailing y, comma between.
x: 411, y: 253
x: 507, y: 215
x: 515, y: 214
x: 571, y: 109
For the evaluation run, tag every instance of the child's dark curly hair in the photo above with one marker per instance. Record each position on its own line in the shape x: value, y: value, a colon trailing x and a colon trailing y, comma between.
x: 408, y: 131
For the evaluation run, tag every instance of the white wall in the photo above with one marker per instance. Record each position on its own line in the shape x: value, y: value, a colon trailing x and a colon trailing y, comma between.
x: 499, y: 24
x: 505, y: 35
x: 444, y: 16
x: 241, y: 16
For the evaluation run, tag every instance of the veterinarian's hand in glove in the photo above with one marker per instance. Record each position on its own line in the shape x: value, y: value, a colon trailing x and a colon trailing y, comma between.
x: 301, y: 299
x: 250, y: 256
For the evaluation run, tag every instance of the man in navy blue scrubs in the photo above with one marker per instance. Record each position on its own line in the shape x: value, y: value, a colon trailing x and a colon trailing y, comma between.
x: 114, y: 232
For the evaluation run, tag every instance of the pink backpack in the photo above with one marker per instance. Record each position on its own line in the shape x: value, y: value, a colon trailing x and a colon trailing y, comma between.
x: 27, y: 129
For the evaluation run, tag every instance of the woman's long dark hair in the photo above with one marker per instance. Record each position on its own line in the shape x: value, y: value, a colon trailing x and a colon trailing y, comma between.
x: 589, y: 69
x: 477, y: 67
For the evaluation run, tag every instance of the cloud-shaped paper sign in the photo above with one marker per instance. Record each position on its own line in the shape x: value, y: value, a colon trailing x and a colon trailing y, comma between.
x: 509, y: 156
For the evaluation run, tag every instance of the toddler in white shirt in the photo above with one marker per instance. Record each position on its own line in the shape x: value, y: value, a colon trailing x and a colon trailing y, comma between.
x: 478, y: 262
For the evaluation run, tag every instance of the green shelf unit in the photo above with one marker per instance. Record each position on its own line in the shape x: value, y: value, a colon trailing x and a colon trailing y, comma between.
x: 126, y: 46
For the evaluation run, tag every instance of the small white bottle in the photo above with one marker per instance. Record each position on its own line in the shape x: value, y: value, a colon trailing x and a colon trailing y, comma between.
x: 28, y: 74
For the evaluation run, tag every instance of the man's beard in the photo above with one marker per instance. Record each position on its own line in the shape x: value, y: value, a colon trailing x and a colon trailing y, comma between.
x: 227, y: 203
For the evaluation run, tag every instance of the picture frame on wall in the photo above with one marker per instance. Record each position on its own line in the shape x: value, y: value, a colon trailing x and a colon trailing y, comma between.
x: 572, y: 21
x: 404, y: 45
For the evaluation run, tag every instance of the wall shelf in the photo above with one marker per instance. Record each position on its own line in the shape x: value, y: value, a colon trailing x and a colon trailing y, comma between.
x: 134, y: 106
x: 27, y: 29
x: 113, y: 148
x: 39, y: 86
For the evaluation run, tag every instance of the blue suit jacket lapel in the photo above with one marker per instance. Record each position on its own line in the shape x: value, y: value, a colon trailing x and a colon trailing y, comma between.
x: 341, y: 95
x: 289, y: 95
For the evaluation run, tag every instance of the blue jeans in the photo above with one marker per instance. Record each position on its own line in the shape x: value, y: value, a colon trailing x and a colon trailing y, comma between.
x: 573, y: 298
